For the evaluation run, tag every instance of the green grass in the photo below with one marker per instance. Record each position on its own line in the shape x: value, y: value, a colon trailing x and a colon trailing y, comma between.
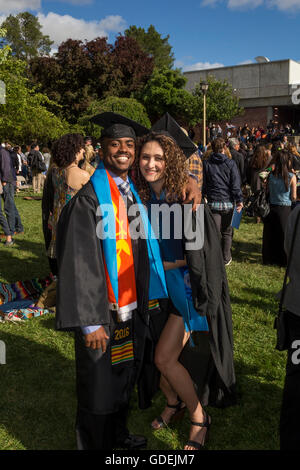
x: 37, y: 385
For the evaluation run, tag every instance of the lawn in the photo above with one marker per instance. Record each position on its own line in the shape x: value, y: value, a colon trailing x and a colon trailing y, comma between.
x: 38, y: 403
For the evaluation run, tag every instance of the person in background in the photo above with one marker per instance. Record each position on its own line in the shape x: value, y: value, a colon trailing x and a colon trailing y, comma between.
x: 282, y: 189
x: 63, y: 181
x: 4, y: 224
x: 222, y: 188
x: 36, y: 162
x: 8, y: 181
x: 234, y: 147
x: 47, y: 157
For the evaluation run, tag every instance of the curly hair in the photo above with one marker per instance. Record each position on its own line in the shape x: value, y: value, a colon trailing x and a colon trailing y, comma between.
x: 176, y: 170
x: 64, y: 149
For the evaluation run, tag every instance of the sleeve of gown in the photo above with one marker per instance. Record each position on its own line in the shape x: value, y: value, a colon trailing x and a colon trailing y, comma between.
x: 81, y: 294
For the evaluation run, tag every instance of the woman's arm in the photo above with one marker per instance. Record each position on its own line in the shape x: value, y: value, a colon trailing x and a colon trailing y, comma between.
x: 179, y: 263
x: 294, y: 188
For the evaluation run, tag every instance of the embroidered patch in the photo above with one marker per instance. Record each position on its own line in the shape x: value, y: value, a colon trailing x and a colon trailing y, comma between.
x: 153, y: 304
x: 122, y: 353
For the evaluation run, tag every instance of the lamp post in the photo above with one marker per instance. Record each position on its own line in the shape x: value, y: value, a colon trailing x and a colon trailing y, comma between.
x: 204, y: 88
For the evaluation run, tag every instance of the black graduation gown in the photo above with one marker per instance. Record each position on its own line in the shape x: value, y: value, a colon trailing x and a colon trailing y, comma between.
x: 210, y: 362
x: 82, y: 300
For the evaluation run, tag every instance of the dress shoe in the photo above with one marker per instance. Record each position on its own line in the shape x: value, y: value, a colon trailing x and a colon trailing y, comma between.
x: 132, y: 441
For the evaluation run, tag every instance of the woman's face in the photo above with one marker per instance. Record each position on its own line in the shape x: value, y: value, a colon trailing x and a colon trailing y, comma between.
x: 152, y: 162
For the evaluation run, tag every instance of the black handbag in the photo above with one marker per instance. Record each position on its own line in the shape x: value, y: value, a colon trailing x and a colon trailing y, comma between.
x: 258, y: 205
x: 280, y: 323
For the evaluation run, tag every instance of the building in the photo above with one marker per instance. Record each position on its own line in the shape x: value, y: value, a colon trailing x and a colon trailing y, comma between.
x: 267, y: 90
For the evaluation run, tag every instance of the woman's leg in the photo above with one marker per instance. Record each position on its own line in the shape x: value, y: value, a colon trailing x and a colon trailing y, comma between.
x: 176, y: 379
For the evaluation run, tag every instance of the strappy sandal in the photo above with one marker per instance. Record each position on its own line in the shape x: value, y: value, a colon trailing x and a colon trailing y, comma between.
x: 178, y: 414
x: 206, y: 425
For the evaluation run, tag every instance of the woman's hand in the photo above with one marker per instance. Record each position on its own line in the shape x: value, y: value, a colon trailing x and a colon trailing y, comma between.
x: 239, y: 206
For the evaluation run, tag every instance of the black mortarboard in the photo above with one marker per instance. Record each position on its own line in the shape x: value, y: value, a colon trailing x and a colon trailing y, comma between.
x: 168, y: 126
x: 116, y: 126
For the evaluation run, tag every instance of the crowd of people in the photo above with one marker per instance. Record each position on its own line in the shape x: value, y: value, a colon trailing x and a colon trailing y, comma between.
x: 150, y: 310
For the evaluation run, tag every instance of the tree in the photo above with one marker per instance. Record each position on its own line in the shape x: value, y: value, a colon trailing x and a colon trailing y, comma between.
x: 153, y: 44
x: 5, y: 50
x: 23, y: 34
x: 24, y: 115
x: 221, y: 103
x: 164, y: 92
x: 82, y: 72
x: 128, y: 107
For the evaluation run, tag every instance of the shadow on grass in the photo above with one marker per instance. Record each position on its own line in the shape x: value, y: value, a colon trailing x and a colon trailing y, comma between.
x: 37, y: 389
x: 246, y: 251
x: 257, y: 297
x: 15, y: 269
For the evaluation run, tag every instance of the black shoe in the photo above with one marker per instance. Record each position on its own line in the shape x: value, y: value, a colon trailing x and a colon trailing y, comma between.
x: 132, y: 441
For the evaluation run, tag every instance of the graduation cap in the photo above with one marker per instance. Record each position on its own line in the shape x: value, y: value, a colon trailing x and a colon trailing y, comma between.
x: 117, y: 126
x: 168, y: 126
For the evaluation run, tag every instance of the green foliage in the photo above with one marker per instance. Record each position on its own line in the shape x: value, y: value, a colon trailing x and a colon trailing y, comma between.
x: 221, y: 103
x: 84, y: 71
x: 23, y: 34
x: 164, y: 92
x: 153, y: 44
x: 5, y: 50
x: 24, y: 115
x: 128, y: 107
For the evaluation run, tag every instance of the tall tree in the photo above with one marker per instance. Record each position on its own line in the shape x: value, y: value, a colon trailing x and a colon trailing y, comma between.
x: 24, y: 36
x: 164, y: 92
x: 128, y: 107
x: 153, y: 44
x: 221, y: 102
x: 24, y: 115
x: 84, y: 71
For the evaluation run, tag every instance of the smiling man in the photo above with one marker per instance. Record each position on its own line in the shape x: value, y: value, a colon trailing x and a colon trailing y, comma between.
x: 104, y: 288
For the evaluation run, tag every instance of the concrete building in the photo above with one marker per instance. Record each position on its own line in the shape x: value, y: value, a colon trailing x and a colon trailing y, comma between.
x: 267, y: 90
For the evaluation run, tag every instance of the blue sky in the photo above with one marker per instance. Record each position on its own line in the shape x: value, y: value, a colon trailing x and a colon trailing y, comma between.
x: 202, y: 32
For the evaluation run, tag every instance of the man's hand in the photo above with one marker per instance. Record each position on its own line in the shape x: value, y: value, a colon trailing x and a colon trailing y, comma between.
x: 191, y: 192
x: 97, y: 339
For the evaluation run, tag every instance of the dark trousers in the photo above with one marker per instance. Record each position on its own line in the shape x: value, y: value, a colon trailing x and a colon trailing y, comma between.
x: 3, y: 221
x: 101, y: 432
x: 12, y: 214
x: 273, y: 235
x: 290, y: 408
x: 223, y: 223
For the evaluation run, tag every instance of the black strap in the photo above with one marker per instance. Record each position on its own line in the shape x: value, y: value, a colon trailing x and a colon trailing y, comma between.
x: 288, y: 264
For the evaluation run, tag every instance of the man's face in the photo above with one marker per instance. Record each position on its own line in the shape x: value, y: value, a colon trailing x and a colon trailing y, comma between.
x: 118, y: 154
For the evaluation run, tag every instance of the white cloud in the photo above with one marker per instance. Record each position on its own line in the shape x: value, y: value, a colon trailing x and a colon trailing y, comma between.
x: 285, y: 4
x: 201, y: 66
x: 246, y: 62
x: 238, y: 4
x: 78, y: 2
x: 282, y: 5
x: 62, y: 27
x: 14, y: 6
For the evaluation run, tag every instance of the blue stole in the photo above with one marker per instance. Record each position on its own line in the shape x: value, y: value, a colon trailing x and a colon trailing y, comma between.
x: 178, y: 280
x: 157, y: 282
